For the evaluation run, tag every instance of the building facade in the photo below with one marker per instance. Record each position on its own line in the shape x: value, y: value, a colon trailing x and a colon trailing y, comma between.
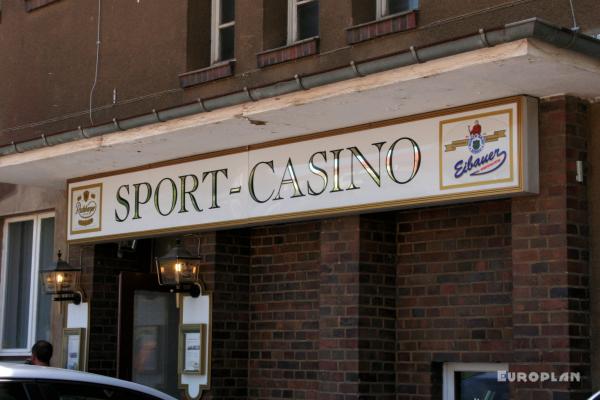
x: 408, y: 288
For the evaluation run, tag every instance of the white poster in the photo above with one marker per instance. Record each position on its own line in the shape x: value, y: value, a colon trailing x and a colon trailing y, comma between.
x: 73, y: 349
x: 192, y: 351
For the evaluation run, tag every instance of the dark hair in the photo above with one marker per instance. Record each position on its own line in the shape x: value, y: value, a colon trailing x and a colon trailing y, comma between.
x: 42, y: 350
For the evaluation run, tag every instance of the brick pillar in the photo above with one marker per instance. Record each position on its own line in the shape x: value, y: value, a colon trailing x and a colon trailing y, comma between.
x: 225, y: 274
x: 594, y: 204
x: 454, y: 274
x: 284, y: 311
x: 377, y: 307
x: 550, y: 259
x: 339, y: 311
x: 357, y: 308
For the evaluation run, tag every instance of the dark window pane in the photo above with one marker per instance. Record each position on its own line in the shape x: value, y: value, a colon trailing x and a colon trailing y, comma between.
x: 155, y: 329
x: 88, y: 391
x: 227, y: 11
x: 470, y: 385
x: 308, y: 20
x: 227, y: 43
x: 18, y: 283
x: 12, y: 391
x: 398, y: 6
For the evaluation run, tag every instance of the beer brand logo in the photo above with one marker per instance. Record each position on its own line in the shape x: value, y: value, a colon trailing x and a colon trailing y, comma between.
x: 482, y: 150
x: 478, y: 165
x: 85, y: 208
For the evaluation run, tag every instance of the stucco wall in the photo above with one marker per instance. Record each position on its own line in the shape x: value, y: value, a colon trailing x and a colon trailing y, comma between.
x: 19, y: 200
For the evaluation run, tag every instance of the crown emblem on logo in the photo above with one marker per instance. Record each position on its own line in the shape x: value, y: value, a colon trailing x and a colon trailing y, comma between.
x: 476, y: 139
x: 85, y: 208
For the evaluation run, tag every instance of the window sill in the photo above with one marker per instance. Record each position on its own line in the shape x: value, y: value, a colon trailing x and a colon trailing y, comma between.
x: 16, y: 354
x: 381, y: 27
x: 294, y: 51
x: 211, y: 73
x: 31, y: 5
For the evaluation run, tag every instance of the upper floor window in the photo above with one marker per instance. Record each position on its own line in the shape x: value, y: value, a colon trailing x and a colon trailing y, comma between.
x: 303, y: 20
x: 223, y: 30
x: 390, y: 7
x: 25, y: 309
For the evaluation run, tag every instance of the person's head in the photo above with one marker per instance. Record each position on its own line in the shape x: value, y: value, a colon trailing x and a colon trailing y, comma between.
x: 41, y: 353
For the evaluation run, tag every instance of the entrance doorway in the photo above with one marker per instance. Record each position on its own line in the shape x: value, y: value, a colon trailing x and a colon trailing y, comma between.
x: 148, y: 332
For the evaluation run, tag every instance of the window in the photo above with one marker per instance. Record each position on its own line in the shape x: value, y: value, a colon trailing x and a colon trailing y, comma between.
x: 12, y: 391
x: 28, y: 244
x: 390, y: 7
x: 468, y: 381
x: 60, y: 390
x: 223, y: 30
x: 303, y: 20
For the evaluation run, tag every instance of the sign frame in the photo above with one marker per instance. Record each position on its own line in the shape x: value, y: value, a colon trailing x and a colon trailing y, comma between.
x: 526, y: 137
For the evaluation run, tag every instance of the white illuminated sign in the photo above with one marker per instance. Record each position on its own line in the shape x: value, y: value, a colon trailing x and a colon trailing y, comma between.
x: 481, y: 151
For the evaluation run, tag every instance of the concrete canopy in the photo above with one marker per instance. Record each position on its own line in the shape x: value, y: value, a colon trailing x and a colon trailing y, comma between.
x: 521, y: 67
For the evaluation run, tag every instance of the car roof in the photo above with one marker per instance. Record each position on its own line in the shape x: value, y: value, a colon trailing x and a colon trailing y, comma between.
x: 25, y: 372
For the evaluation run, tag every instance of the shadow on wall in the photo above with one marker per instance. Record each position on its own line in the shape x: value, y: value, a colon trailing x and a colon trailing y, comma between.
x: 6, y: 190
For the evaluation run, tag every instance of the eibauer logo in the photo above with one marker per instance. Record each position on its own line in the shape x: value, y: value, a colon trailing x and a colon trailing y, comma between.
x: 86, y: 210
x: 480, y: 162
x: 475, y: 150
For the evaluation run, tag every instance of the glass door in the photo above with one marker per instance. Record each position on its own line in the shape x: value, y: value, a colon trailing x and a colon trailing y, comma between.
x: 148, y: 333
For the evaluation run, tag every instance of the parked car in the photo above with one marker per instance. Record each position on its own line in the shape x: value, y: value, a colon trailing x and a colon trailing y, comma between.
x: 25, y: 382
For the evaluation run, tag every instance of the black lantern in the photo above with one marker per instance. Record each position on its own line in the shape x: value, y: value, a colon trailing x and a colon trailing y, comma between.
x: 63, y: 281
x: 179, y: 269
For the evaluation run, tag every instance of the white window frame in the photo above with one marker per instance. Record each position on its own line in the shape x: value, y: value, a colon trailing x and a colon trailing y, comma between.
x: 33, y: 289
x: 292, y: 26
x: 451, y: 368
x: 216, y: 26
x: 382, y: 9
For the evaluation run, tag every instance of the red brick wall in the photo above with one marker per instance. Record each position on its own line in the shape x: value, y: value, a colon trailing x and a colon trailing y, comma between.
x: 550, y: 258
x: 284, y: 312
x: 225, y: 272
x: 454, y: 291
x: 377, y: 302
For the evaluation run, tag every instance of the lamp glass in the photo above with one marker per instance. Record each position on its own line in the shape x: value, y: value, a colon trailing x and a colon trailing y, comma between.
x: 60, y: 282
x: 177, y: 267
x: 62, y: 279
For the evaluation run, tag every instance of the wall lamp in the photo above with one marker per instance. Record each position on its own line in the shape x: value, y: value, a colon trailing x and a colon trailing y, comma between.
x: 63, y: 281
x: 179, y: 270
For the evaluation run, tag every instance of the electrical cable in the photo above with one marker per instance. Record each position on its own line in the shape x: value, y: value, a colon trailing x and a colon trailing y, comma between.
x: 575, y: 28
x: 157, y: 94
x: 85, y: 112
x: 97, y: 62
x: 476, y: 12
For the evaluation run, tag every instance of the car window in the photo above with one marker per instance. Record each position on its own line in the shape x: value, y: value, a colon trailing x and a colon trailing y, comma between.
x: 12, y: 391
x: 88, y: 391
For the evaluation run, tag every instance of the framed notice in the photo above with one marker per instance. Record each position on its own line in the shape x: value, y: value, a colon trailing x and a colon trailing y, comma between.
x: 73, y: 349
x: 192, y: 349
